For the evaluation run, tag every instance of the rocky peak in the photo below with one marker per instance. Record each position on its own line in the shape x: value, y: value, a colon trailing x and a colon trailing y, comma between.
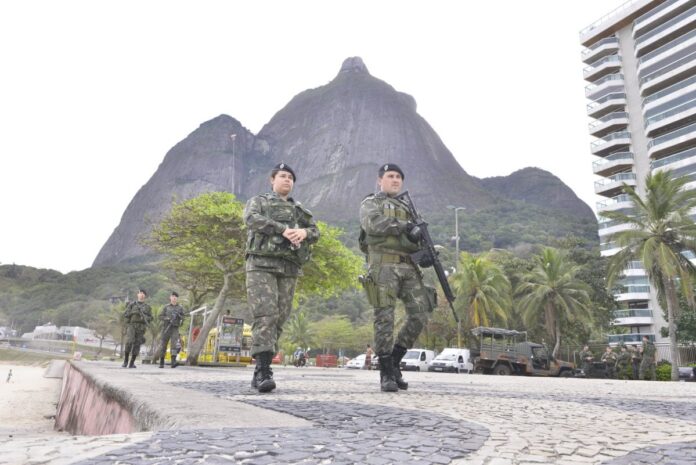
x: 353, y: 65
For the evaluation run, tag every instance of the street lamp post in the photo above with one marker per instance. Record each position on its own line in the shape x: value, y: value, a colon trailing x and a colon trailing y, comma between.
x: 456, y: 261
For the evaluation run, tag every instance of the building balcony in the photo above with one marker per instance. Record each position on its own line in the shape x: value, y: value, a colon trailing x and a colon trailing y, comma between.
x: 671, y: 119
x: 671, y: 51
x: 658, y: 15
x: 630, y: 339
x: 600, y: 68
x: 674, y: 161
x: 666, y: 32
x: 610, y: 228
x: 610, y: 251
x: 680, y: 69
x: 608, y: 46
x: 611, y: 143
x: 613, y: 186
x: 607, y: 104
x: 672, y: 142
x: 633, y: 317
x: 632, y: 293
x: 611, y: 83
x: 615, y: 203
x: 677, y: 90
x: 609, y: 123
x: 614, y: 163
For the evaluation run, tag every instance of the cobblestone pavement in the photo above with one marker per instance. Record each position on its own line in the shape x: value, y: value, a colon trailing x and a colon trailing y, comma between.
x: 442, y: 418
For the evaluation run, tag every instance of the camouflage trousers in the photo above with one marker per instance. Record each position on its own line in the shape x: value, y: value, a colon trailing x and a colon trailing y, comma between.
x: 169, y: 333
x: 647, y: 365
x: 399, y: 281
x: 135, y: 337
x: 270, y: 300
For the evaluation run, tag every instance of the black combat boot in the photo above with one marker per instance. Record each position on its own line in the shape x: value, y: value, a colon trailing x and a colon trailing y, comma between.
x: 397, y: 354
x: 386, y: 372
x: 125, y: 360
x: 132, y: 360
x: 264, y: 380
x: 254, y: 380
x: 174, y: 363
x: 161, y: 362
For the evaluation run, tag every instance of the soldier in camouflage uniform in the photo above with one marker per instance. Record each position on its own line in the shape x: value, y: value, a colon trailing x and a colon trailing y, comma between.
x: 388, y: 237
x: 648, y: 361
x: 137, y: 316
x: 622, y: 362
x: 635, y: 361
x: 280, y: 231
x: 171, y: 317
x: 586, y: 358
x: 609, y: 359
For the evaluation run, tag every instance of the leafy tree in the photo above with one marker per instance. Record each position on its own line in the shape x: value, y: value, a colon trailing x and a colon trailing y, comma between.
x: 300, y: 332
x: 661, y: 232
x: 335, y: 332
x: 552, y: 293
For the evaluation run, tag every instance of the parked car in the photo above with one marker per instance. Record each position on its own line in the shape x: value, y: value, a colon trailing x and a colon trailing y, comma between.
x: 417, y: 359
x: 357, y: 363
x: 687, y: 373
x: 452, y: 360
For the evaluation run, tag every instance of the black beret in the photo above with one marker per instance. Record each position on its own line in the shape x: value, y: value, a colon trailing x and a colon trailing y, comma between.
x: 175, y: 294
x: 390, y: 167
x: 284, y: 167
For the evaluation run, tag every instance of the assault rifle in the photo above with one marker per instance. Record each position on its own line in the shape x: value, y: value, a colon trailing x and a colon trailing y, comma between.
x: 428, y: 254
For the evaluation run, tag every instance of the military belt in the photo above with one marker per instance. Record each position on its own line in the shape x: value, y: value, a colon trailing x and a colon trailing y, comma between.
x: 388, y: 258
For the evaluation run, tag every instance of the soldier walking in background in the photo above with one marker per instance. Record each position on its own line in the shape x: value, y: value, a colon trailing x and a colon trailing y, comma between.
x: 609, y: 358
x: 171, y: 317
x: 388, y: 237
x: 280, y: 231
x: 136, y: 317
x: 622, y: 362
x: 586, y: 358
x: 635, y: 361
x: 647, y: 364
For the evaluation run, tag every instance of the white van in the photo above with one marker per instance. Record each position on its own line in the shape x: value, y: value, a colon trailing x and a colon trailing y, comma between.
x: 452, y: 359
x: 417, y: 359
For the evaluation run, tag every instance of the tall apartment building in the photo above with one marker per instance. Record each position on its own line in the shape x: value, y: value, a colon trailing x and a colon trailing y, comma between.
x: 641, y: 72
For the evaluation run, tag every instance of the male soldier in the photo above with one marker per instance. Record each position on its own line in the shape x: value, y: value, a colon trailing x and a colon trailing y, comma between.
x: 622, y: 362
x: 171, y: 317
x: 635, y: 361
x: 137, y: 316
x: 368, y: 357
x: 280, y: 231
x: 586, y: 358
x: 648, y: 362
x: 388, y: 237
x: 609, y: 359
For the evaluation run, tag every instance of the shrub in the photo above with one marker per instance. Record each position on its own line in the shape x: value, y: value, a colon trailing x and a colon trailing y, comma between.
x: 664, y: 370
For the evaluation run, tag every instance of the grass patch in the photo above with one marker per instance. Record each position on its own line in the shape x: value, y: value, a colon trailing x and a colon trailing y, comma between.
x: 24, y: 357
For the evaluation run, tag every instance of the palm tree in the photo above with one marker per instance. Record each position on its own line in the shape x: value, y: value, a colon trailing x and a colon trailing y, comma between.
x: 661, y: 231
x: 299, y: 331
x: 482, y: 291
x: 552, y: 290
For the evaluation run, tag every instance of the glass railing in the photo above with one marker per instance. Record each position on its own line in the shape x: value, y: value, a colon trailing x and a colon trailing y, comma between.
x: 683, y: 97
x: 609, y: 117
x: 602, y: 61
x: 604, y: 18
x: 596, y: 45
x: 674, y: 111
x: 668, y: 90
x: 667, y: 46
x: 606, y: 98
x: 614, y: 200
x: 665, y: 26
x: 611, y: 137
x: 608, y: 246
x: 633, y: 313
x: 612, y: 158
x: 670, y: 67
x: 636, y: 338
x: 621, y: 177
x: 652, y: 12
x: 672, y: 135
x: 609, y: 224
x: 630, y: 289
x: 634, y: 264
x: 607, y: 78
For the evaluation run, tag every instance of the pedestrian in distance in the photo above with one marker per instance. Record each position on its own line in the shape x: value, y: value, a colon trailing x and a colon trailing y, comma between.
x: 647, y: 364
x: 171, y: 318
x: 280, y: 234
x: 388, y: 237
x: 137, y: 316
x: 622, y: 362
x: 635, y: 361
x: 368, y: 357
x: 609, y: 358
x: 586, y: 358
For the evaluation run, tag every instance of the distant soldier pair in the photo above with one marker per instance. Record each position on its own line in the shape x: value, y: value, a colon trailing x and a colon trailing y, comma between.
x: 280, y: 231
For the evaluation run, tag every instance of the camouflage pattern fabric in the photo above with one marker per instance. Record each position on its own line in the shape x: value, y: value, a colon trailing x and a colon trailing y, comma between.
x: 609, y: 359
x: 647, y: 364
x: 169, y: 333
x: 586, y: 360
x: 270, y: 299
x: 137, y: 316
x: 622, y: 364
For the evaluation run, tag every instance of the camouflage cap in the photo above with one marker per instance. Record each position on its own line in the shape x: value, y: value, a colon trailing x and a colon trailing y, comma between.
x: 390, y: 167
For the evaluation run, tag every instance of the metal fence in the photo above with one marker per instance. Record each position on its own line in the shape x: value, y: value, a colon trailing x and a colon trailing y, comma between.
x: 686, y: 353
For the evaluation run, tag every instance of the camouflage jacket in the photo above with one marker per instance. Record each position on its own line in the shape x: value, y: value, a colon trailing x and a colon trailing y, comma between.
x: 648, y: 350
x: 172, y: 315
x: 385, y: 220
x: 609, y: 357
x: 266, y: 217
x: 138, y: 313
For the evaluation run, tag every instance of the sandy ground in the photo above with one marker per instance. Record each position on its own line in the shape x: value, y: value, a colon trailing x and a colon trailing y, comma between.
x: 27, y: 402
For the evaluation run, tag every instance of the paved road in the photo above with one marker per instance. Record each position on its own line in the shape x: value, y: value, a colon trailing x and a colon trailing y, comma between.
x: 341, y: 417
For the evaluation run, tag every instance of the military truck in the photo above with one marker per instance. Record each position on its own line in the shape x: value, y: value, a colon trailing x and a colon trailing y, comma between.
x: 507, y: 352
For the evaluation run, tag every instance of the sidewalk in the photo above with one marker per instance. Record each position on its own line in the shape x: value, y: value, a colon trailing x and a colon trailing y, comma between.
x: 338, y: 416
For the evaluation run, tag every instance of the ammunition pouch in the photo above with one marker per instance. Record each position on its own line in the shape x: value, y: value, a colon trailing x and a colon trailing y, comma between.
x: 378, y: 296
